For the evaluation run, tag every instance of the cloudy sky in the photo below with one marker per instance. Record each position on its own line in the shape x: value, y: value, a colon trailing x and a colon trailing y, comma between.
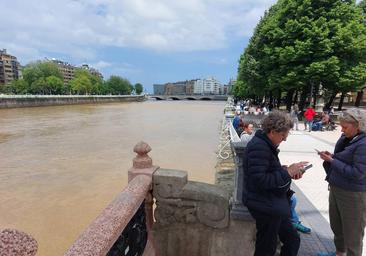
x: 145, y: 41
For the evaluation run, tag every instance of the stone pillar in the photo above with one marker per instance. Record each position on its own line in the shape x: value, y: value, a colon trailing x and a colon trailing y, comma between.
x: 142, y: 165
x: 238, y: 210
x: 17, y: 243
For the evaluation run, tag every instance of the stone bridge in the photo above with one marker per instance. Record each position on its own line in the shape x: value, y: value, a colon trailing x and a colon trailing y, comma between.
x: 189, y: 97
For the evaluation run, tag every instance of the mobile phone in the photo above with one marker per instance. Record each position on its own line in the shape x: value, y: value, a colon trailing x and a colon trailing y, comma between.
x: 306, y: 167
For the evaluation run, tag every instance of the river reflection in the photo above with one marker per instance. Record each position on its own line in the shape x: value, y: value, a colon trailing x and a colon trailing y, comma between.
x: 60, y: 166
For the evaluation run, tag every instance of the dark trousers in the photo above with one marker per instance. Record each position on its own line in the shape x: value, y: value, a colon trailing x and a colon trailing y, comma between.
x: 269, y: 228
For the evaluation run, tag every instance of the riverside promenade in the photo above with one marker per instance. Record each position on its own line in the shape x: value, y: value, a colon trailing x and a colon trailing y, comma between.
x: 312, y: 189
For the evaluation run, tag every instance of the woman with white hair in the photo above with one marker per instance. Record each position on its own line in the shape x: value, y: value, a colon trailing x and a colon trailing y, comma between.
x: 346, y: 175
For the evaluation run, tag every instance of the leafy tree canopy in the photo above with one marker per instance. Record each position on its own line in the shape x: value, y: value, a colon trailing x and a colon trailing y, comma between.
x: 138, y: 88
x: 299, y: 44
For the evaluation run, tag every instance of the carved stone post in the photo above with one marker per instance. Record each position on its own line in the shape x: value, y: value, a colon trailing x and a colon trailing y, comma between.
x: 142, y: 165
x: 238, y: 210
x: 17, y: 243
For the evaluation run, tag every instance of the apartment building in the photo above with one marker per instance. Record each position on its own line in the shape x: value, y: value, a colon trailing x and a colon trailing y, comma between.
x: 68, y: 71
x: 10, y: 68
x: 91, y: 70
x: 206, y: 86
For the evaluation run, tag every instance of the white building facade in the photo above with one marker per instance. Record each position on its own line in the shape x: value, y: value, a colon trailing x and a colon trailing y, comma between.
x: 206, y: 86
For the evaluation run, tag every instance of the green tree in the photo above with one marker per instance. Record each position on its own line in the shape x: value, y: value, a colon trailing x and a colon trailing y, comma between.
x: 138, y: 88
x: 55, y: 85
x: 43, y: 77
x: 19, y: 86
x: 117, y: 85
x: 82, y: 82
x: 299, y: 45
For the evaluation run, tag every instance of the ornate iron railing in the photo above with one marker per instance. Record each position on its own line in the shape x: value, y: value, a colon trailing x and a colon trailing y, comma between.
x: 133, y: 239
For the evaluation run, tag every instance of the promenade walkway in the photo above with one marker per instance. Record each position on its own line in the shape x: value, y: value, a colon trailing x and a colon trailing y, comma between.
x: 312, y: 189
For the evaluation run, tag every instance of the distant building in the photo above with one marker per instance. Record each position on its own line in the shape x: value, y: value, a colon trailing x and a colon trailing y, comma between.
x: 68, y: 71
x: 10, y: 68
x: 91, y: 70
x: 231, y: 85
x: 159, y: 89
x: 190, y: 87
x: 177, y: 88
x: 207, y: 86
x: 198, y: 86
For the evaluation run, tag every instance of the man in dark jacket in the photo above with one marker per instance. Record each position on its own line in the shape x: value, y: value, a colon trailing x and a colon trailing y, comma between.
x: 267, y: 187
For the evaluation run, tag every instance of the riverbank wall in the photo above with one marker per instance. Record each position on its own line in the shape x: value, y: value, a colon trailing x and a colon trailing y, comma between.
x: 20, y: 101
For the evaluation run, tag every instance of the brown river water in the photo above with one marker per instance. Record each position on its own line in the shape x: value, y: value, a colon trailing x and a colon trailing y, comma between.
x: 60, y: 166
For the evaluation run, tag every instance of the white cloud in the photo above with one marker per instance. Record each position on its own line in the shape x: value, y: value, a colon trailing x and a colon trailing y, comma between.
x: 101, y: 64
x: 75, y: 27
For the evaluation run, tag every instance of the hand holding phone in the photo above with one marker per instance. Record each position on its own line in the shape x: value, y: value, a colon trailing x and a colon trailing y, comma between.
x: 305, y: 168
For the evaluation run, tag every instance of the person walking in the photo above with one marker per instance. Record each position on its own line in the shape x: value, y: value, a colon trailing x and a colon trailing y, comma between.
x: 267, y: 187
x: 346, y: 175
x: 309, y: 118
x: 295, y: 116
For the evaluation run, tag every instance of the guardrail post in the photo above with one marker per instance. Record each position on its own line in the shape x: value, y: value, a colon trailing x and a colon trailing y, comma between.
x: 142, y: 165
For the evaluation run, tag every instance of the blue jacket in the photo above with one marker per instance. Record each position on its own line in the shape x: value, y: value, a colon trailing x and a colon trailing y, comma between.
x: 266, y: 182
x: 348, y: 168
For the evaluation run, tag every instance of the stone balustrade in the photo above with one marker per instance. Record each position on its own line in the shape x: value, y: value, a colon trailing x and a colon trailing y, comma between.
x: 191, y: 218
x: 108, y: 234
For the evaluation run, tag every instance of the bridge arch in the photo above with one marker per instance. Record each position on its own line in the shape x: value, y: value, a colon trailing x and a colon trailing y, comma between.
x: 205, y: 98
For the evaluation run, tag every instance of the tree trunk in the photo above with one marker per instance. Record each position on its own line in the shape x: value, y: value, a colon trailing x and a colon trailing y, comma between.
x: 295, y: 100
x: 279, y: 99
x: 315, y: 94
x: 270, y: 105
x: 341, y: 101
x: 359, y: 98
x: 289, y: 96
x: 302, y: 100
x: 330, y: 101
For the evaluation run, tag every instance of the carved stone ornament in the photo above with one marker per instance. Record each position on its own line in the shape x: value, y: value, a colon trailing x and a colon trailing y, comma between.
x: 182, y: 201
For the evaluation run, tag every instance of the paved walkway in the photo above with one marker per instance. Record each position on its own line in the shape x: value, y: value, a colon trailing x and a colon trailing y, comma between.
x: 312, y: 189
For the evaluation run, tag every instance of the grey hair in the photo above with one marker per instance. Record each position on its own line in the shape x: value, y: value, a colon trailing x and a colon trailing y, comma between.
x: 277, y: 121
x: 354, y: 116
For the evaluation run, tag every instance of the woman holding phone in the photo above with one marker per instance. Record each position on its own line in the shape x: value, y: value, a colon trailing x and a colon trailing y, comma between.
x: 267, y: 187
x: 346, y: 175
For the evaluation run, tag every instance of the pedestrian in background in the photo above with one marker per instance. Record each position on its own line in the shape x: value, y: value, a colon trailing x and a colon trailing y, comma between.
x: 346, y: 175
x: 309, y: 118
x: 294, y: 114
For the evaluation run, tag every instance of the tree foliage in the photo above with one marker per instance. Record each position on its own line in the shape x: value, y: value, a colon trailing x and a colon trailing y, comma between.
x: 302, y: 44
x: 138, y: 88
x: 117, y: 85
x: 44, y: 77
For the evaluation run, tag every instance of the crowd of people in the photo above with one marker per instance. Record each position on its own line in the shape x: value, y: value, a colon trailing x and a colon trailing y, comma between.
x: 269, y: 197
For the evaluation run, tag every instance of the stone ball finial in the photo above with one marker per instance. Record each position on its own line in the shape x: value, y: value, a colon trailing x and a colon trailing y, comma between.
x: 142, y: 148
x: 17, y: 243
x: 142, y: 160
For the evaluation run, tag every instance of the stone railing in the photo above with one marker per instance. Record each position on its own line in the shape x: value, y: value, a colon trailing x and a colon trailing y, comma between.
x: 191, y: 218
x: 123, y: 228
x: 17, y: 243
